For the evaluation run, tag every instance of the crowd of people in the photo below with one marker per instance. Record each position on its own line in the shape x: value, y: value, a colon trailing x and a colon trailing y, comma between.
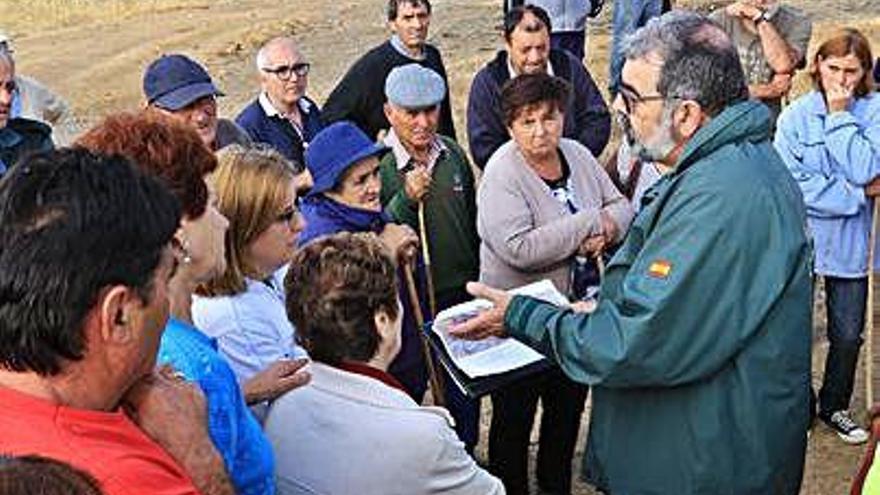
x: 194, y: 304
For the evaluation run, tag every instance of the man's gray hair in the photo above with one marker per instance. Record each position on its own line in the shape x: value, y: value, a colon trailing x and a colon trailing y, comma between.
x: 698, y: 60
x: 263, y: 53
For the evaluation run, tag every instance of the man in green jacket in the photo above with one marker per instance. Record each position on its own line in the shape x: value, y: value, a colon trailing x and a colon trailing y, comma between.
x: 429, y: 171
x: 697, y: 349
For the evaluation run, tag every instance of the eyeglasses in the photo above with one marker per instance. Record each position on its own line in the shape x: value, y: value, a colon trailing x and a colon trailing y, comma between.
x: 288, y: 215
x: 285, y: 72
x: 631, y: 97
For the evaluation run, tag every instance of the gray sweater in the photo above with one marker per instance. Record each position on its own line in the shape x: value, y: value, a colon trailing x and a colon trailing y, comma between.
x: 526, y: 234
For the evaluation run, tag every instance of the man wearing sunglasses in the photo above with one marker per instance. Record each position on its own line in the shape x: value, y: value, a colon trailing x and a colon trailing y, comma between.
x: 18, y: 136
x: 282, y: 116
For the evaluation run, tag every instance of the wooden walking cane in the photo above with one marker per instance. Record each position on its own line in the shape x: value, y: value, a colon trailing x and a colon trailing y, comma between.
x: 873, y: 358
x: 433, y: 377
x: 426, y: 257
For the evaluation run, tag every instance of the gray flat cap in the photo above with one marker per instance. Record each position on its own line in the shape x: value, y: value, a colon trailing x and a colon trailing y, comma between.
x: 414, y: 86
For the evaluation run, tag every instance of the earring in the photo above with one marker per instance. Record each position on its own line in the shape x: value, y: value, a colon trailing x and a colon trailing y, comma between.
x: 184, y: 248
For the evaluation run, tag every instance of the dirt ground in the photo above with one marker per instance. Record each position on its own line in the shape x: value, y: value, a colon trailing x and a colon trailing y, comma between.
x: 94, y: 52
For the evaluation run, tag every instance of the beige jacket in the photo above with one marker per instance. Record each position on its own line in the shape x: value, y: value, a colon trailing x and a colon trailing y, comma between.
x: 349, y: 434
x: 528, y: 235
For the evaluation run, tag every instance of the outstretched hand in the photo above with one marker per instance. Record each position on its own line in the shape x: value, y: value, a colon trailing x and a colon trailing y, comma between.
x: 279, y: 377
x: 489, y: 323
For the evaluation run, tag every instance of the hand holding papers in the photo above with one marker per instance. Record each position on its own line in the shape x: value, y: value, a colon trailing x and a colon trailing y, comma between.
x: 470, y: 338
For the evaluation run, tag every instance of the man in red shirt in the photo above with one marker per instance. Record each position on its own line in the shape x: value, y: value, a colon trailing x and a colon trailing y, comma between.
x: 85, y: 258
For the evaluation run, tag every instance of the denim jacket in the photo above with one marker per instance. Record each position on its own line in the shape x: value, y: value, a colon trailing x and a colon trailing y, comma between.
x: 833, y: 157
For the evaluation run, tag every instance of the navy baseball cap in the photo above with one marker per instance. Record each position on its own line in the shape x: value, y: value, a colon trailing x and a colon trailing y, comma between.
x: 174, y: 81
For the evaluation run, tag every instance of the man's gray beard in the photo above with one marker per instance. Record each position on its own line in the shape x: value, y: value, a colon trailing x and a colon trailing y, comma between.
x: 658, y: 146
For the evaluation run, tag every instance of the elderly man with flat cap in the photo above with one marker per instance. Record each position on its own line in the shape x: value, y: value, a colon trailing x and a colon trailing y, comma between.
x: 178, y: 86
x: 430, y: 171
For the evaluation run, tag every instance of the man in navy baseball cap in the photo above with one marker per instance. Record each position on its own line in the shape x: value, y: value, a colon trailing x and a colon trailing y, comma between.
x: 180, y: 87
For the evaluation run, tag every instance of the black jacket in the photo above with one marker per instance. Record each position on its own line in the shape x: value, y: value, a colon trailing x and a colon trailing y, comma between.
x: 360, y: 95
x: 21, y: 137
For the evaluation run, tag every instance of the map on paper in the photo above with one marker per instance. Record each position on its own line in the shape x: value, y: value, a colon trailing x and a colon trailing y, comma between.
x: 493, y: 355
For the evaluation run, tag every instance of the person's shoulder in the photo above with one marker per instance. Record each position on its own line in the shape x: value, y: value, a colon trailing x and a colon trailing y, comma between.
x: 452, y: 146
x: 250, y: 114
x: 29, y: 127
x: 499, y: 164
x: 573, y: 149
x: 380, y: 55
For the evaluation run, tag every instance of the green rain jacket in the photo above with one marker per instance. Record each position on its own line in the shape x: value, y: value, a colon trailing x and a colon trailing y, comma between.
x: 699, y: 349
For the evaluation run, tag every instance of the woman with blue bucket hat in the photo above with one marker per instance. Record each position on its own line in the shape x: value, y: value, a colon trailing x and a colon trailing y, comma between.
x: 344, y: 164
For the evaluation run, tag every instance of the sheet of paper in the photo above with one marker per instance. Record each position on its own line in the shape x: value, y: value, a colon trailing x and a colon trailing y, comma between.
x: 492, y: 355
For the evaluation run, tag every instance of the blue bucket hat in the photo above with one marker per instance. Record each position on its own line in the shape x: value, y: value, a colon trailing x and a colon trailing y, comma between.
x: 174, y: 81
x: 333, y: 150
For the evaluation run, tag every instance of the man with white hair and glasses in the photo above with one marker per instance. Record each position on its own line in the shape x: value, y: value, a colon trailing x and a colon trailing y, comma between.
x: 282, y: 116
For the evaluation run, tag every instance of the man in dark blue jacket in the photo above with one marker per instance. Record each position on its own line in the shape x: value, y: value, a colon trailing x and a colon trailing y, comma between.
x: 17, y: 136
x: 282, y: 116
x: 527, y: 34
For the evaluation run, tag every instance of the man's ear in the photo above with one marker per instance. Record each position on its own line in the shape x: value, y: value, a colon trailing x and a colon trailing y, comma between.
x: 116, y: 306
x: 688, y: 118
x: 387, y: 109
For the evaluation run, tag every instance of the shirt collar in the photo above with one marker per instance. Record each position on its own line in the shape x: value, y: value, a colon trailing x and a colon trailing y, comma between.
x: 513, y: 73
x: 401, y: 49
x: 375, y: 373
x: 270, y: 110
x: 402, y: 157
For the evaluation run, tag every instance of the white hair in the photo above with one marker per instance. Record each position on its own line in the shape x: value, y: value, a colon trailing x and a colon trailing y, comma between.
x: 263, y: 53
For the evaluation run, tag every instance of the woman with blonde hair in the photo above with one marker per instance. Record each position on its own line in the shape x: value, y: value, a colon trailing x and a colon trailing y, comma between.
x: 243, y: 306
x: 830, y: 140
x: 175, y: 154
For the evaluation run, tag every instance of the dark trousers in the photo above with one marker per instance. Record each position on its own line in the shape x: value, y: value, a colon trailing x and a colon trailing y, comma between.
x: 513, y: 412
x: 845, y: 300
x: 464, y: 410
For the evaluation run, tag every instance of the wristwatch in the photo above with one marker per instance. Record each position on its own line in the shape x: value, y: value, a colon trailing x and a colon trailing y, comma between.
x: 764, y: 16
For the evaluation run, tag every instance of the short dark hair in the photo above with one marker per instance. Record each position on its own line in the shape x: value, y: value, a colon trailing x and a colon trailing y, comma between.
x: 700, y: 62
x: 335, y: 286
x: 394, y: 5
x: 532, y: 89
x: 515, y: 16
x: 71, y: 224
x: 720, y: 81
x: 161, y: 146
x: 36, y: 474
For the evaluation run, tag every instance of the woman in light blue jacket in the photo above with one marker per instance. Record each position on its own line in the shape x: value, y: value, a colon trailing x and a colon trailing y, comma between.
x: 830, y: 140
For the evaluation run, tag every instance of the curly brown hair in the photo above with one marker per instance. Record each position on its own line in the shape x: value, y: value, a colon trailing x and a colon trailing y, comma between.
x: 335, y: 287
x: 162, y: 147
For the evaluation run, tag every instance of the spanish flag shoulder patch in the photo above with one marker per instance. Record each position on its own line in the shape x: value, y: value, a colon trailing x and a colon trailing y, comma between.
x: 660, y: 269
